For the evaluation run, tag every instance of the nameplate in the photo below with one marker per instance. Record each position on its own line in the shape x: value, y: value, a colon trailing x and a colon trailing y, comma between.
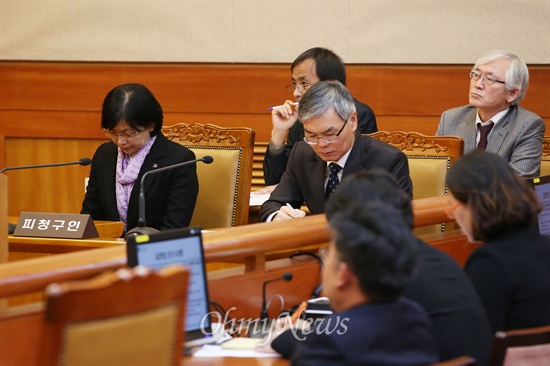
x: 54, y: 225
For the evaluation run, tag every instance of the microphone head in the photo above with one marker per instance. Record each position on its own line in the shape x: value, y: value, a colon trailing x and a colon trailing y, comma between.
x: 287, y: 276
x: 85, y: 161
x: 207, y: 159
x: 140, y: 230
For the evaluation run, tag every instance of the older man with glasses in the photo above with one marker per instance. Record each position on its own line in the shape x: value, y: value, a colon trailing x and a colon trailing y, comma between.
x: 331, y: 149
x: 493, y: 120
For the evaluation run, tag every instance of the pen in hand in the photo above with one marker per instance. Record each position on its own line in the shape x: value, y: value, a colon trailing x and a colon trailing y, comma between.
x: 277, y: 106
x: 298, y: 312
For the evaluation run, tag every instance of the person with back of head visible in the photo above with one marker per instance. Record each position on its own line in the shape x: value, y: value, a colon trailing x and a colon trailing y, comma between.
x: 313, y: 65
x: 511, y: 270
x: 132, y: 119
x: 367, y: 266
x: 331, y: 150
x: 493, y: 120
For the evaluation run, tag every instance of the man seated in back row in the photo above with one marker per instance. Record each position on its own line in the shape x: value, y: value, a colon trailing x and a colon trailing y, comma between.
x: 332, y: 149
x: 493, y: 120
x: 314, y: 65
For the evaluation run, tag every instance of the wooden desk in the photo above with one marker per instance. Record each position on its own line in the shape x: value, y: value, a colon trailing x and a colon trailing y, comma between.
x: 57, y: 246
x: 105, y: 229
x: 250, y: 244
x: 21, y: 247
x: 234, y: 361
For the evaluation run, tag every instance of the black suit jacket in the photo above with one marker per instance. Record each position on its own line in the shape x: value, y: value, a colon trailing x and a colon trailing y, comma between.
x: 275, y: 165
x: 170, y: 196
x: 387, y: 333
x: 444, y: 290
x: 512, y: 276
x: 303, y: 180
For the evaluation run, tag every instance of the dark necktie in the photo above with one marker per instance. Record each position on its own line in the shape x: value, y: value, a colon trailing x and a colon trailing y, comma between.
x: 333, y: 180
x: 483, y: 133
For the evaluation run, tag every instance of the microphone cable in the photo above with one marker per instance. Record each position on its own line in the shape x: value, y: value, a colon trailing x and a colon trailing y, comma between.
x: 317, y: 290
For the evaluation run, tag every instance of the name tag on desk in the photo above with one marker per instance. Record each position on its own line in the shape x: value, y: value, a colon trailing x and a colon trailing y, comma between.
x: 54, y: 225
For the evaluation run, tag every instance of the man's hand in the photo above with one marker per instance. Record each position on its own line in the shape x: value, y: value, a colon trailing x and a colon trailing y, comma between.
x: 288, y: 213
x: 283, y: 118
x: 281, y: 325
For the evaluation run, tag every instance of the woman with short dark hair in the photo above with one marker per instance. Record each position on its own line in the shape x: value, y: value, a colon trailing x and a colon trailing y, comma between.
x: 511, y: 271
x: 132, y: 119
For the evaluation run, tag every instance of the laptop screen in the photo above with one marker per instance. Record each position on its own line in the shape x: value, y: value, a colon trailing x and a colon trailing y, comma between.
x: 542, y: 189
x: 178, y: 246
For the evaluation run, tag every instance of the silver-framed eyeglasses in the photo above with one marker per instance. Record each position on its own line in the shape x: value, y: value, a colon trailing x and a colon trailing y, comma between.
x: 301, y: 86
x: 329, y: 139
x: 476, y: 75
x: 124, y: 135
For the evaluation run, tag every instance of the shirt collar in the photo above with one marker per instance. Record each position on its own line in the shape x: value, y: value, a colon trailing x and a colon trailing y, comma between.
x: 495, y: 119
x: 343, y: 159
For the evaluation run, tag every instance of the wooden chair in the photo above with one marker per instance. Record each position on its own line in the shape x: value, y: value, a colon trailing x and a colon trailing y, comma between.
x: 545, y: 161
x: 430, y: 158
x: 526, y: 347
x: 258, y: 181
x: 224, y: 185
x: 458, y: 361
x: 128, y: 317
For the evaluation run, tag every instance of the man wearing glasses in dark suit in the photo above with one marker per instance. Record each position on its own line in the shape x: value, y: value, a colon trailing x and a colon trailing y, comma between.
x: 331, y: 149
x: 314, y: 65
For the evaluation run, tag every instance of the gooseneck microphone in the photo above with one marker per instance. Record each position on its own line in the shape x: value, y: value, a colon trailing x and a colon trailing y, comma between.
x: 141, y: 228
x: 83, y: 162
x: 287, y: 276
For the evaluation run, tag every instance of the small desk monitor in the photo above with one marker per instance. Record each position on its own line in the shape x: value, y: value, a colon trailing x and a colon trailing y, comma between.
x: 178, y: 246
x: 542, y: 189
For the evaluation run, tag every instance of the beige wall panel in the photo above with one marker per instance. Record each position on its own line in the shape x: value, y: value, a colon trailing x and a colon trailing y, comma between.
x: 278, y: 31
x: 117, y: 30
x: 400, y: 31
x: 447, y: 31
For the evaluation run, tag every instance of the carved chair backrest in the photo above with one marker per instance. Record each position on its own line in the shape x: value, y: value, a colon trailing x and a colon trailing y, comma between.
x: 224, y: 185
x: 430, y: 158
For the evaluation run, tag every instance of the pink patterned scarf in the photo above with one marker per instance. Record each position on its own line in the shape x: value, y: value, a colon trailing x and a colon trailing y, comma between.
x: 127, y: 170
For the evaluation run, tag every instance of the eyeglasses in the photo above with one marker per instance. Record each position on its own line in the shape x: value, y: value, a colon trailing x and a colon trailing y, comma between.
x: 302, y: 87
x: 449, y: 211
x: 476, y: 75
x: 330, y: 139
x: 124, y: 135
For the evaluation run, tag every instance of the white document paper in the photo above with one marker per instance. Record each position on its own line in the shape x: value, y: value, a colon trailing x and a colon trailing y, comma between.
x: 258, y: 199
x: 219, y: 351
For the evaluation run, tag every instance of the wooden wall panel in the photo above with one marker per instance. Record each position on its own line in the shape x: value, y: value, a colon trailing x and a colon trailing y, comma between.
x: 50, y: 111
x: 58, y: 189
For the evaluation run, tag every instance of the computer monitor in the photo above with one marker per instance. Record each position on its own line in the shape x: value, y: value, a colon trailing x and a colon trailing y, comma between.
x: 178, y: 246
x: 542, y: 189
